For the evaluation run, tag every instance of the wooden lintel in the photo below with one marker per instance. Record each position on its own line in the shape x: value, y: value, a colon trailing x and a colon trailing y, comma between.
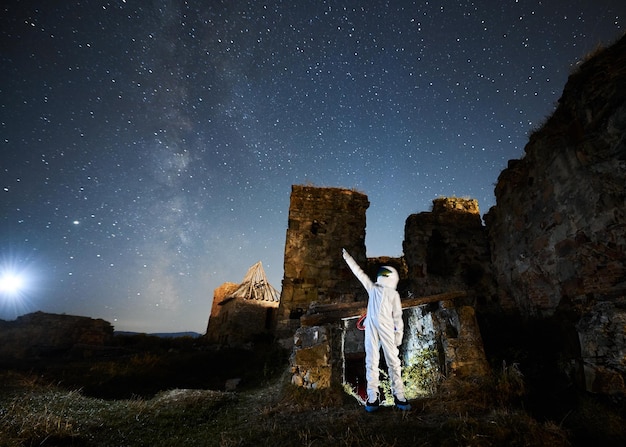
x: 331, y: 316
x: 412, y: 302
x: 328, y: 313
x: 320, y: 308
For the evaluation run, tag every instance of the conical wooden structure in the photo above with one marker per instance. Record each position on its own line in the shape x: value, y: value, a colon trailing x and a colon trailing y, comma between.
x: 255, y: 286
x: 242, y: 312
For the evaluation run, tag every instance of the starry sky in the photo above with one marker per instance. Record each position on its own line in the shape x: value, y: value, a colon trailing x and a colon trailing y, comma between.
x: 148, y: 148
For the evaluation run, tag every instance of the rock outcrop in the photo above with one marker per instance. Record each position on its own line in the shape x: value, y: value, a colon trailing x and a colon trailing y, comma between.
x: 42, y: 334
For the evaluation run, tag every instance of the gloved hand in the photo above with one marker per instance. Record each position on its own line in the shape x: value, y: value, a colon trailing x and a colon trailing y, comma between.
x: 398, y: 338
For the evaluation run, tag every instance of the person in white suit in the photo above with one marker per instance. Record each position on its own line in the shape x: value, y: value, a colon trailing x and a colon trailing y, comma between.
x: 384, y: 329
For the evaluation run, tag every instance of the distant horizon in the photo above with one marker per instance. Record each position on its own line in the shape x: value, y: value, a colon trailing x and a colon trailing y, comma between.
x: 160, y: 334
x: 115, y: 331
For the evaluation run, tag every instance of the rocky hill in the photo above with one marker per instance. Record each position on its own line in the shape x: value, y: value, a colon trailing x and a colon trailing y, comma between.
x: 42, y: 334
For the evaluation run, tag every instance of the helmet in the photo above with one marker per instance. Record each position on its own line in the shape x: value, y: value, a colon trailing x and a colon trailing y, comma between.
x: 387, y: 276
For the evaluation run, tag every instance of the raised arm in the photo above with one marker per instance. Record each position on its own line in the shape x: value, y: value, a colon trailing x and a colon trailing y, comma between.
x: 358, y: 271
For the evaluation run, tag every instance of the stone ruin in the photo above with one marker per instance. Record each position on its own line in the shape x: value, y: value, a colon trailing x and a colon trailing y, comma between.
x: 558, y: 231
x: 322, y: 301
x: 545, y: 274
x: 243, y: 313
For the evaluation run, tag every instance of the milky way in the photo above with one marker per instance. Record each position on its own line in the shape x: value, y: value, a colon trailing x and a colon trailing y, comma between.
x: 149, y: 148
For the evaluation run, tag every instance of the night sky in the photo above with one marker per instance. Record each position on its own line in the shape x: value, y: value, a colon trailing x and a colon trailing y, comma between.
x: 149, y: 147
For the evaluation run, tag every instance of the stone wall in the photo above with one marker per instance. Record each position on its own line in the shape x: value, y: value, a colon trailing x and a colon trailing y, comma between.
x: 219, y: 316
x: 558, y: 230
x: 236, y: 321
x: 447, y: 249
x: 460, y: 340
x: 311, y: 358
x: 42, y: 334
x: 334, y: 353
x: 322, y: 221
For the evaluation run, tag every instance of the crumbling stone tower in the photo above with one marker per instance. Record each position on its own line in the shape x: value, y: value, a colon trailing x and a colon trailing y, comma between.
x: 447, y: 248
x: 322, y: 221
x: 444, y: 250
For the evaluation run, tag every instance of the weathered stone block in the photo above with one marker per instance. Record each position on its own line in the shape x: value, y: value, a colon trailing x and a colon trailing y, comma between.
x: 461, y: 341
x: 311, y: 357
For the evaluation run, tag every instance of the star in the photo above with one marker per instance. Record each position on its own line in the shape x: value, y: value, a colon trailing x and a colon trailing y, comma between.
x: 148, y: 153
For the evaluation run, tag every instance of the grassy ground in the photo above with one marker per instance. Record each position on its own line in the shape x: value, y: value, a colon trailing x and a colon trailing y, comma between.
x: 36, y: 414
x: 47, y: 407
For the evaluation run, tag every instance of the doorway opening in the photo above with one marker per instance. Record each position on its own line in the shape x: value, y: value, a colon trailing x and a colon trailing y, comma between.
x: 421, y: 370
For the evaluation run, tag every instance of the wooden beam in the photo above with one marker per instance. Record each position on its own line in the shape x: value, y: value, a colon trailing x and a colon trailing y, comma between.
x: 413, y: 302
x: 330, y: 316
x: 328, y: 313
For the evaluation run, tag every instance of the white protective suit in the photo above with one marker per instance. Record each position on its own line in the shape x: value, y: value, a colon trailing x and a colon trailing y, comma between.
x: 383, y: 327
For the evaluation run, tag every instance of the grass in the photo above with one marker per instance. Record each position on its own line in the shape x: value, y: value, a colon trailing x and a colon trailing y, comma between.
x: 49, y: 416
x: 47, y: 406
x: 36, y: 413
x: 207, y: 418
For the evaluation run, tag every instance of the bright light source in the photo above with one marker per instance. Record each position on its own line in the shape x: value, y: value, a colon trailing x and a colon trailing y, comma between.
x: 17, y: 284
x: 11, y: 283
